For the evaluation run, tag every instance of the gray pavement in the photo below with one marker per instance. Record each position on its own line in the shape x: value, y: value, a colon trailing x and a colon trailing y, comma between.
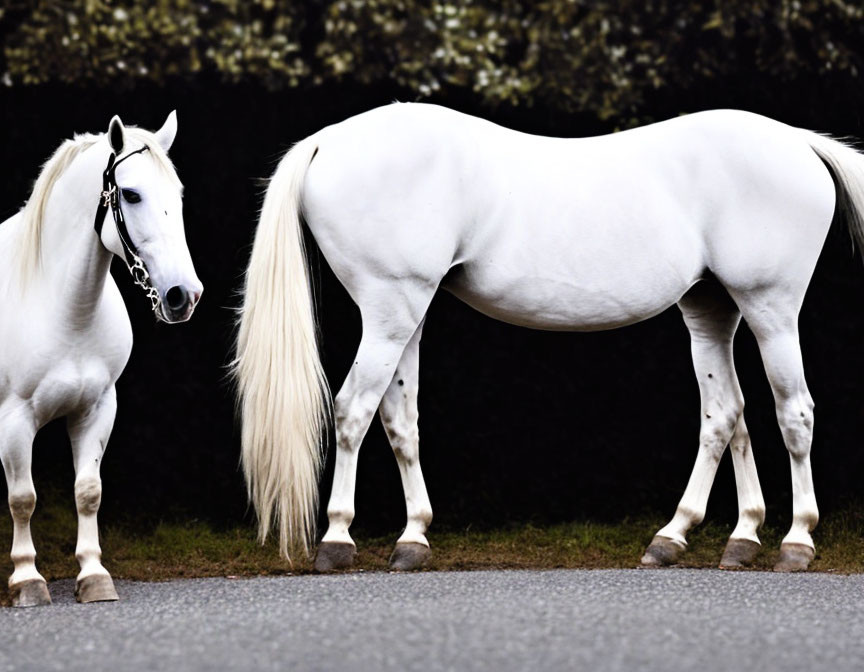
x: 630, y: 620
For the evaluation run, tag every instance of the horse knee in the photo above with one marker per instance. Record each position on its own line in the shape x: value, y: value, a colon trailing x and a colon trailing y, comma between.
x: 22, y: 503
x: 88, y: 495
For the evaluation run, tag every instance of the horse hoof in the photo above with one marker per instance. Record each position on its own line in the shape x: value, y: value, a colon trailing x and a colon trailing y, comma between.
x: 333, y: 555
x: 794, y: 558
x: 32, y: 593
x: 409, y: 555
x: 739, y: 553
x: 661, y: 552
x: 95, y: 588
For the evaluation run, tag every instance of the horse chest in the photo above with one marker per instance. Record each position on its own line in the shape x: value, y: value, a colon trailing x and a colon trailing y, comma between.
x: 70, y: 385
x: 57, y: 376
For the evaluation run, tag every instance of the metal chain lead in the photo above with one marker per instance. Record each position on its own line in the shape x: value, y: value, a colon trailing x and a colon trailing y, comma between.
x: 141, y: 277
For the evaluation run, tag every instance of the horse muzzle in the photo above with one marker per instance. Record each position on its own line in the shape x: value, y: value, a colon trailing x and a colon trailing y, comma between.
x: 179, y: 302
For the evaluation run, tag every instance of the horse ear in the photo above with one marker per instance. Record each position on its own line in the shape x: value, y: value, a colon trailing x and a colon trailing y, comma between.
x: 165, y: 135
x: 116, y: 131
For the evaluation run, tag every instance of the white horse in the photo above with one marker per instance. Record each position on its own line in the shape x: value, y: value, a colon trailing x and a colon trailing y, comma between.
x: 723, y: 213
x: 65, y: 335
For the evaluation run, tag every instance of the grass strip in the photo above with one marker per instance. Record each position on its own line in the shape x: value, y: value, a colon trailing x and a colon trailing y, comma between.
x: 195, y: 549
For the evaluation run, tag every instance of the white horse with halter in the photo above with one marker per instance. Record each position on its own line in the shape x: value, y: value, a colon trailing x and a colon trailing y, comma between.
x: 723, y: 213
x: 65, y: 335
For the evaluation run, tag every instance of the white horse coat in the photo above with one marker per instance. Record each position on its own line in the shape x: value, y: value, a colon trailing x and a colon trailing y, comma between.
x: 65, y: 335
x: 724, y: 213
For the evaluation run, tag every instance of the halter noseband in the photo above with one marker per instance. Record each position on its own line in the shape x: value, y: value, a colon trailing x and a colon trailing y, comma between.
x: 110, y: 197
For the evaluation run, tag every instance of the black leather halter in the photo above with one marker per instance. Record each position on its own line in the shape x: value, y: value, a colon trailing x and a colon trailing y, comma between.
x: 110, y: 198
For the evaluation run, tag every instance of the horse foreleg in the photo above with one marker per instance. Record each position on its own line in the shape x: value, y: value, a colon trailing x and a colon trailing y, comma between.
x: 89, y: 434
x: 387, y: 328
x: 26, y: 585
x: 399, y: 417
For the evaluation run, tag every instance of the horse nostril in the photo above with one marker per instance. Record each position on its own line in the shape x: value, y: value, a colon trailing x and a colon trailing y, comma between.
x: 176, y: 298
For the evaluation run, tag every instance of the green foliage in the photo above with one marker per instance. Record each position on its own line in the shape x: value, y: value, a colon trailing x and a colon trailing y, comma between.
x: 106, y: 43
x: 594, y: 56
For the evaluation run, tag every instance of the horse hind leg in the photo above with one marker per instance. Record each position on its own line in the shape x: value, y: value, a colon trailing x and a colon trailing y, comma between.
x: 773, y: 318
x: 712, y: 319
x: 89, y: 434
x: 390, y: 319
x: 744, y: 545
x: 27, y: 587
x: 399, y: 416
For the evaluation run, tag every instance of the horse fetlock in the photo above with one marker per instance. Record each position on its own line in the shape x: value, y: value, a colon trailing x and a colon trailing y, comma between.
x: 90, y: 560
x: 415, y: 529
x: 685, y: 518
x: 88, y: 495
x: 23, y: 558
x: 755, y: 513
x: 807, y: 520
x: 340, y: 519
x: 423, y: 518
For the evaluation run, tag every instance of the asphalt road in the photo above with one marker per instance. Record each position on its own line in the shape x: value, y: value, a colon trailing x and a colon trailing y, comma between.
x: 629, y: 620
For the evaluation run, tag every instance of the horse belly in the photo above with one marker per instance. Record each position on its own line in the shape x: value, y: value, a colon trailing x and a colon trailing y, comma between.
x: 589, y: 294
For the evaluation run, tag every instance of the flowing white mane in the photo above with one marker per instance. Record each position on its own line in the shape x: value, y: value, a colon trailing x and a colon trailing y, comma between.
x: 33, y: 213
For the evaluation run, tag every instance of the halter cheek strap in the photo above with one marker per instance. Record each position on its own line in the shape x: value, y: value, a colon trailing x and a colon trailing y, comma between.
x: 110, y: 198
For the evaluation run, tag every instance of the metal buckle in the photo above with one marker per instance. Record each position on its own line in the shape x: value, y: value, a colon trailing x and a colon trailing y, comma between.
x: 109, y: 195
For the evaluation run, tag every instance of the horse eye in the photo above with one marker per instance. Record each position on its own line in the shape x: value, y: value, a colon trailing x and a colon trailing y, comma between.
x: 131, y: 196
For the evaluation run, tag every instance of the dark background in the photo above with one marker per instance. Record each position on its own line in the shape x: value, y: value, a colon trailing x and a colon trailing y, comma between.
x: 516, y: 425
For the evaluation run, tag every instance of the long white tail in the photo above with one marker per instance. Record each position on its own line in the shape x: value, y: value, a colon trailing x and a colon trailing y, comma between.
x: 284, y: 399
x: 847, y: 168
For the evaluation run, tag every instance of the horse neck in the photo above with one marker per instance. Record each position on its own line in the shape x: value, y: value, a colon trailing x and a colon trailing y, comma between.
x: 75, y: 263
